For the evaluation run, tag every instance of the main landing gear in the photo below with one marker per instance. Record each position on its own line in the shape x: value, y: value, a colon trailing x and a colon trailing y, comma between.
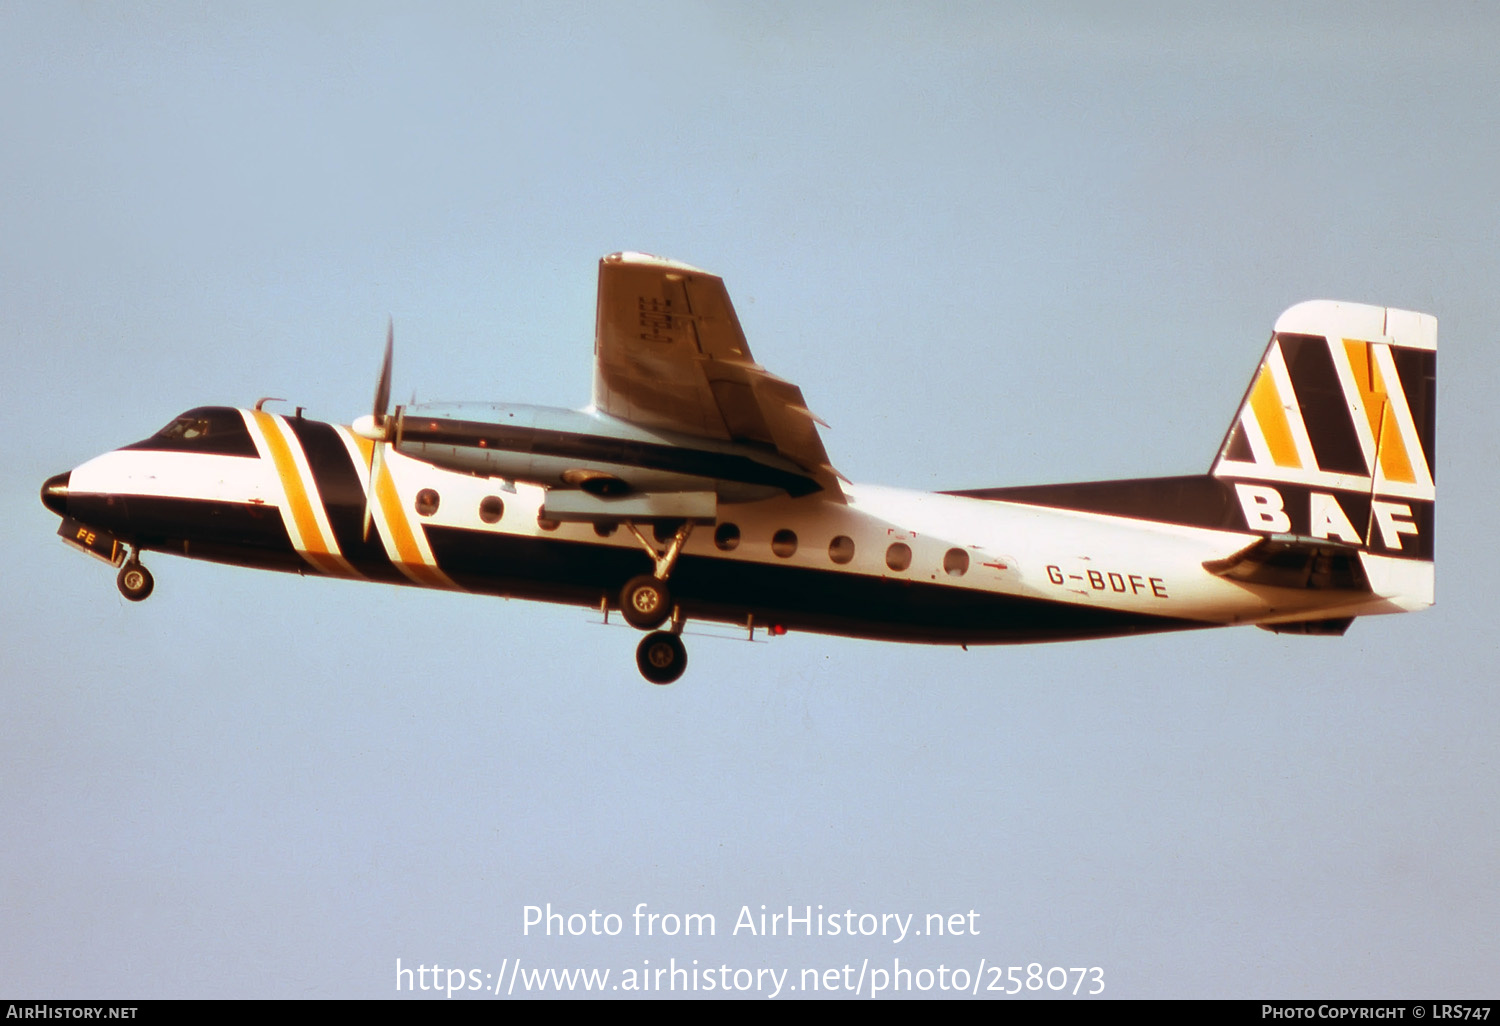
x: 646, y: 604
x: 134, y: 580
x: 661, y: 657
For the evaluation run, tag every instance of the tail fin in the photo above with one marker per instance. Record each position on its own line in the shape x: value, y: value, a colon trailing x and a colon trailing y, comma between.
x: 1334, y: 440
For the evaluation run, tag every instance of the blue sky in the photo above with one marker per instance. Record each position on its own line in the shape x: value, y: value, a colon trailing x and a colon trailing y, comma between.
x: 994, y: 244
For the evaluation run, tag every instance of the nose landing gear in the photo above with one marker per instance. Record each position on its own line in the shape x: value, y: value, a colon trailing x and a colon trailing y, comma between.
x: 134, y: 580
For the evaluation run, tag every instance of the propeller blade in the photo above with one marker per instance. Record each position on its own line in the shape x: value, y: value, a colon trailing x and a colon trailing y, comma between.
x: 377, y: 465
x: 376, y: 428
x: 383, y: 387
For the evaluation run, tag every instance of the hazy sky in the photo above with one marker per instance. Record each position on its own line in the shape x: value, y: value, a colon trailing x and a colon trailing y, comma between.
x: 993, y: 243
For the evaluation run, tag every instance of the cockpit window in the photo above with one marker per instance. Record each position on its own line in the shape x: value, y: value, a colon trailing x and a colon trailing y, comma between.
x: 186, y: 427
x: 208, y: 429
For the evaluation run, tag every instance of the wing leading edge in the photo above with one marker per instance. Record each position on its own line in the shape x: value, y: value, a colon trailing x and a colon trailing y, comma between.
x: 669, y: 354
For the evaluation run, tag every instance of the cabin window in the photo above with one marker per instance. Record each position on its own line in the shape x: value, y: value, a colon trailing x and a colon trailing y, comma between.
x: 664, y: 530
x: 605, y: 528
x: 491, y: 509
x: 727, y: 537
x: 547, y: 524
x: 841, y: 549
x: 898, y: 556
x: 427, y: 502
x: 955, y: 562
x: 784, y: 543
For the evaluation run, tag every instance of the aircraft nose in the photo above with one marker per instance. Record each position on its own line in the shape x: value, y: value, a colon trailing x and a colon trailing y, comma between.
x: 55, y: 493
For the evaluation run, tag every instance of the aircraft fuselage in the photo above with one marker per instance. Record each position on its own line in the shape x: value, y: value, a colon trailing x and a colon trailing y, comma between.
x: 1318, y: 508
x: 289, y: 493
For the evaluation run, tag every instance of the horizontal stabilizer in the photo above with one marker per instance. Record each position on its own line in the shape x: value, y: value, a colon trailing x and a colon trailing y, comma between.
x: 1293, y: 561
x: 1334, y: 628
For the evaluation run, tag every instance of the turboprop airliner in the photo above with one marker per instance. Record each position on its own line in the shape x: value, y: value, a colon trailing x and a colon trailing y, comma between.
x: 696, y: 487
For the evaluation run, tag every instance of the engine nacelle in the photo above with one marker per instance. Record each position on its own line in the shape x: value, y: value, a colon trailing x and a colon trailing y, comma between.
x: 582, y: 449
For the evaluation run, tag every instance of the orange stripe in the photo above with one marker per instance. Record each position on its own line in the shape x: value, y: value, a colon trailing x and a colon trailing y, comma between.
x: 1395, y: 462
x: 1362, y: 364
x: 315, y: 549
x: 390, y: 505
x: 1394, y: 459
x: 1266, y: 404
x: 431, y: 576
x: 331, y: 565
x: 365, y: 447
x: 409, y: 559
x: 407, y: 551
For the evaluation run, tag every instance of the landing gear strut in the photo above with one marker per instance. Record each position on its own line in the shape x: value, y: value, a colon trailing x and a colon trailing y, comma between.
x: 646, y: 604
x: 134, y: 580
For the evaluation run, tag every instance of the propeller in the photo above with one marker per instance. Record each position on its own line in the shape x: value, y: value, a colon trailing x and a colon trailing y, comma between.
x: 377, y: 426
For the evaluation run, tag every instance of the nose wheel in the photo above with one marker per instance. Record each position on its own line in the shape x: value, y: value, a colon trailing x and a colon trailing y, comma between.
x: 135, y: 581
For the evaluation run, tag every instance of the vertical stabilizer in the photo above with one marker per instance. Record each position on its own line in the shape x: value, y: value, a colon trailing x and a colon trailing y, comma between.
x: 1335, y: 438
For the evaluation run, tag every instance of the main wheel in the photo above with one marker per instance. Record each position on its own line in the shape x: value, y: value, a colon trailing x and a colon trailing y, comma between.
x: 645, y: 602
x: 661, y: 657
x: 134, y: 581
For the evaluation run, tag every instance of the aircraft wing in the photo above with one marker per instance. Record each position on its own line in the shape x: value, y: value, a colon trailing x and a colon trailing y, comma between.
x: 669, y: 355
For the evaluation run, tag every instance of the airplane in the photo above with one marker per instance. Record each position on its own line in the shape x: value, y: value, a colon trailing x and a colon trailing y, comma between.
x: 696, y: 486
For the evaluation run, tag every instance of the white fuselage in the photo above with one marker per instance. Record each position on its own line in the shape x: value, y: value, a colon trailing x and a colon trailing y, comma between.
x: 884, y: 563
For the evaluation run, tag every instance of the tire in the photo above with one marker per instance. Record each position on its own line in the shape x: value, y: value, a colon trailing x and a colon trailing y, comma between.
x: 135, y: 582
x: 661, y: 657
x: 645, y: 602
